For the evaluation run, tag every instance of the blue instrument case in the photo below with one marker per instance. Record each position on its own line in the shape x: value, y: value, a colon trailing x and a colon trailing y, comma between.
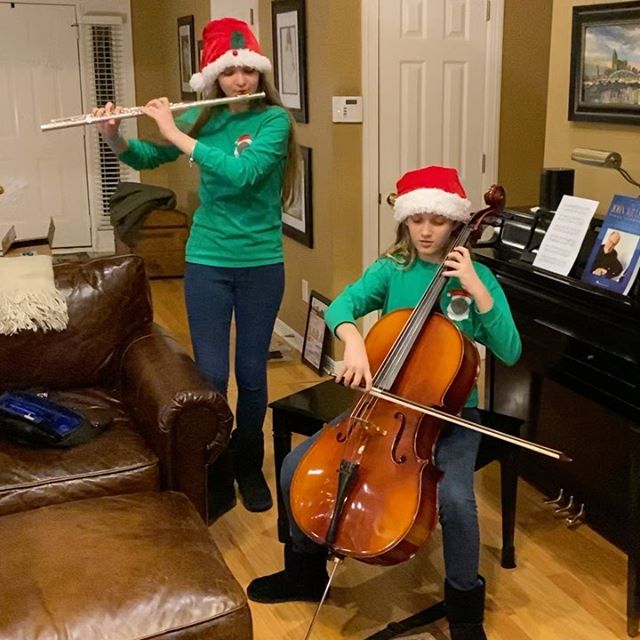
x: 33, y: 420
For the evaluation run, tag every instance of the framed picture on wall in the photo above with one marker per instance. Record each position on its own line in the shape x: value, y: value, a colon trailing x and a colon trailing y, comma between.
x: 297, y: 219
x: 289, y: 55
x: 186, y: 56
x: 199, y: 94
x: 316, y: 332
x: 605, y: 63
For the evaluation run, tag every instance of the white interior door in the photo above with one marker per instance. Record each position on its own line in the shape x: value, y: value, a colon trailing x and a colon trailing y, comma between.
x: 43, y: 174
x: 432, y: 59
x: 246, y: 10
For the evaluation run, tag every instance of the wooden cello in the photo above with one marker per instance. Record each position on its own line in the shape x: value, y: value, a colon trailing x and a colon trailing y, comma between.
x: 367, y: 487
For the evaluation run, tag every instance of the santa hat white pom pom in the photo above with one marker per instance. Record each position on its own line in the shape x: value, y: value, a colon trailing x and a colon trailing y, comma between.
x: 198, y: 82
x: 431, y: 190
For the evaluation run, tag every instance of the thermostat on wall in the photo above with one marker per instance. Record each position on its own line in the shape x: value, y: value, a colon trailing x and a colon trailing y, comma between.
x: 347, y: 108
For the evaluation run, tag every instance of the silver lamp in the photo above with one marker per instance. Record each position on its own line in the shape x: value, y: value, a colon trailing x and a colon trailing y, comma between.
x: 600, y: 158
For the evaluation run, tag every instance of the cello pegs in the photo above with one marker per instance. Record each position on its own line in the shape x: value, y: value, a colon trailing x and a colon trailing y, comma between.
x: 577, y: 518
x: 556, y: 500
x: 566, y: 509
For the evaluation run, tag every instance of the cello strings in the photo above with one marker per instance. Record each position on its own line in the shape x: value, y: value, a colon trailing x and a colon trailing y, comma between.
x: 399, y: 351
x: 397, y: 354
x: 366, y: 402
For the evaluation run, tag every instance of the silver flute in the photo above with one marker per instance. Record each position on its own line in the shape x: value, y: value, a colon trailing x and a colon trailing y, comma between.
x: 134, y: 112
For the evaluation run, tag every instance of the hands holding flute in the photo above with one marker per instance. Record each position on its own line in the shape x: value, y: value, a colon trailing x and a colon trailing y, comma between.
x: 110, y: 129
x: 157, y: 109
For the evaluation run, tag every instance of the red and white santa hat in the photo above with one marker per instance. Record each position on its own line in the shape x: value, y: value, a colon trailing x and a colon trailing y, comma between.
x: 227, y: 42
x: 431, y: 190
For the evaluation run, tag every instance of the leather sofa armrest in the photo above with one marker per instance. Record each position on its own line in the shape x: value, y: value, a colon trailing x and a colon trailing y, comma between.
x: 182, y: 417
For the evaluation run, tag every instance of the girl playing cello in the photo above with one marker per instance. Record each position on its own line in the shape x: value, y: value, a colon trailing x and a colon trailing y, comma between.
x: 430, y: 206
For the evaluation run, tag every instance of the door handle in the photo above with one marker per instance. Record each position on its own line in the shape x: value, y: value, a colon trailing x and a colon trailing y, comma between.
x: 1, y: 189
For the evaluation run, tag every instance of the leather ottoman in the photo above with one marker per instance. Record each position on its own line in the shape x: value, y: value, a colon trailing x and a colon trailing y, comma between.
x: 127, y: 567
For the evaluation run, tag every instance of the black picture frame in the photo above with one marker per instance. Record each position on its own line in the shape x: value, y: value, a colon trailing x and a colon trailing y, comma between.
x: 288, y: 24
x: 604, y: 78
x: 200, y: 95
x: 316, y: 333
x: 297, y: 220
x: 186, y: 56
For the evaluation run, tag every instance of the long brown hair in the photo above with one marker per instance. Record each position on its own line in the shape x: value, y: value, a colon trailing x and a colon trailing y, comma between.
x: 290, y: 182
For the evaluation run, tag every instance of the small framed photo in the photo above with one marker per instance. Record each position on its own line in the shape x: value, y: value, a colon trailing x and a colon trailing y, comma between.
x: 186, y: 56
x: 297, y: 220
x: 289, y: 55
x: 316, y: 332
x: 605, y: 63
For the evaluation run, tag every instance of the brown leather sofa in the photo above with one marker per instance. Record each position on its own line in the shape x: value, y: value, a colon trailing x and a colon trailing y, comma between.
x: 112, y: 362
x: 99, y: 541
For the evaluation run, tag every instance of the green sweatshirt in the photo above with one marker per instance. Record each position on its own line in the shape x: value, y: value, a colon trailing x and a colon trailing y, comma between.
x: 388, y: 286
x: 242, y: 158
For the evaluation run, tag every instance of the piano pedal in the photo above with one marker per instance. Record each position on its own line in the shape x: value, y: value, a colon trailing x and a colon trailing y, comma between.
x: 577, y: 518
x: 560, y: 510
x: 557, y: 500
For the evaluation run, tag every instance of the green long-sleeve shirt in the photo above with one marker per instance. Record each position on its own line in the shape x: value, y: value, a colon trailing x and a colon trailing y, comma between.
x: 388, y: 286
x: 242, y: 158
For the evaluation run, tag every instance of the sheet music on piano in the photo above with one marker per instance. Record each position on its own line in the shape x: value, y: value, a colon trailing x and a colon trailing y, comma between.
x: 562, y: 241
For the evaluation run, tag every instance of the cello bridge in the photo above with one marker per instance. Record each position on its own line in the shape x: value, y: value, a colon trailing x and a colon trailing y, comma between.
x: 369, y: 427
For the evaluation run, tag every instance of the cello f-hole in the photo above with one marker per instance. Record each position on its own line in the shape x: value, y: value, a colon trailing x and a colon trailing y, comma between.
x: 396, y: 441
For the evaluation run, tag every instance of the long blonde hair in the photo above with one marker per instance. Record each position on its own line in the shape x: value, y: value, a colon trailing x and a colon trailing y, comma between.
x: 290, y: 182
x: 403, y: 251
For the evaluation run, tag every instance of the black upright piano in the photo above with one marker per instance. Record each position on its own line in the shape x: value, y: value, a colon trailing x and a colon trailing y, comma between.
x: 577, y: 385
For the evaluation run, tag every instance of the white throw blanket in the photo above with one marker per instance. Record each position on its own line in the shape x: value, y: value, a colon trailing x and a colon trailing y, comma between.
x: 28, y: 296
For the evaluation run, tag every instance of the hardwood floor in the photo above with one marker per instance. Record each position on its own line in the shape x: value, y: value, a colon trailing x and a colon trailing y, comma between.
x: 569, y: 584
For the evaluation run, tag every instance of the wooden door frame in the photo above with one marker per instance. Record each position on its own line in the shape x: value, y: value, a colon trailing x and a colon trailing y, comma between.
x: 370, y: 14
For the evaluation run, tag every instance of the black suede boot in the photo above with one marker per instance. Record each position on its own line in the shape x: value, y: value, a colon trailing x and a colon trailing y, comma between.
x: 304, y: 578
x: 465, y: 612
x: 221, y: 490
x: 253, y: 487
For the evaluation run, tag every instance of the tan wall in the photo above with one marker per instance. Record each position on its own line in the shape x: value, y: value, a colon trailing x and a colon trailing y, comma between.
x: 525, y: 72
x: 155, y: 51
x: 564, y: 135
x: 333, y: 68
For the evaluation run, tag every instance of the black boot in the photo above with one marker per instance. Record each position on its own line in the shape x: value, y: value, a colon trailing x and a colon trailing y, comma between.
x: 304, y: 578
x: 221, y: 491
x: 465, y: 612
x: 254, y: 490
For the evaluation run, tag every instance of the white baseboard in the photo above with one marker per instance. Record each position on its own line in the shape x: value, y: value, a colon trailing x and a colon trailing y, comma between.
x: 296, y: 341
x: 288, y: 335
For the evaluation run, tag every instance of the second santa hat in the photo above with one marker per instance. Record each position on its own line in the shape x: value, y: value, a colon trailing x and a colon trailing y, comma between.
x: 431, y: 190
x: 227, y: 42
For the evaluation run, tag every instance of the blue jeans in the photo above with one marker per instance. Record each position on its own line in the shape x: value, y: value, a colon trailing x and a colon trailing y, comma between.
x: 456, y: 452
x: 253, y: 296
